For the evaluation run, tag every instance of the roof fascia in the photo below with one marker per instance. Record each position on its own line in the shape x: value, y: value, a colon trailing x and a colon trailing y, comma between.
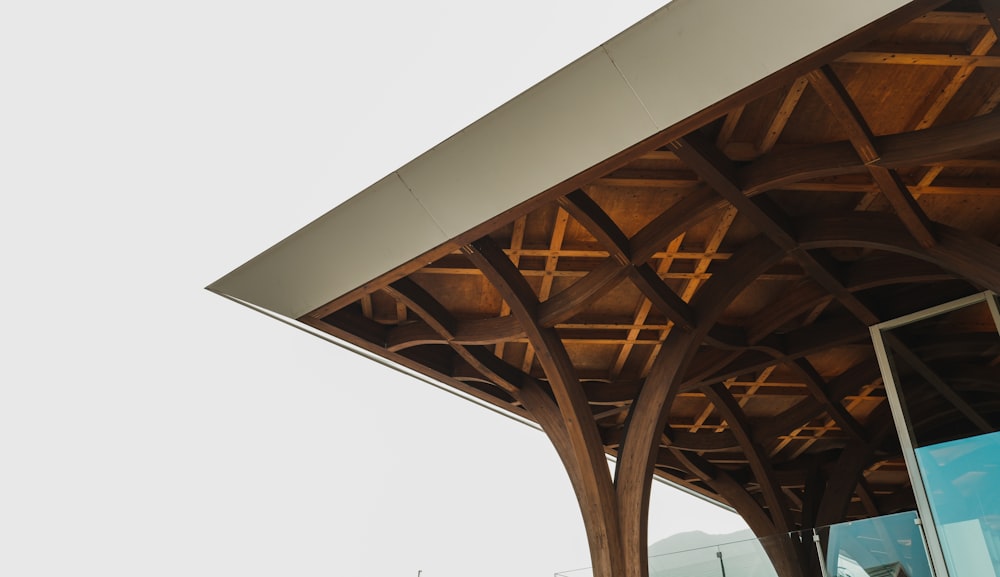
x: 681, y: 59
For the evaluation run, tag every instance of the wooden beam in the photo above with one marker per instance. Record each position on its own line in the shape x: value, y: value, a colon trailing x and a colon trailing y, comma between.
x: 729, y: 126
x: 664, y: 299
x: 952, y: 82
x: 903, y: 352
x: 817, y: 387
x: 848, y: 471
x: 642, y: 311
x: 916, y: 59
x: 768, y: 218
x: 648, y: 416
x: 708, y: 368
x: 809, y: 408
x: 598, y: 499
x: 719, y: 173
x: 682, y: 440
x: 921, y: 147
x: 846, y: 113
x: 516, y: 242
x: 548, y: 277
x: 543, y: 408
x: 591, y: 287
x: 726, y: 218
x: 861, y: 275
x: 942, y: 17
x: 963, y: 254
x: 701, y: 442
x: 992, y: 10
x: 333, y: 326
x: 780, y: 118
x: 671, y: 223
x: 728, y: 409
x: 598, y: 223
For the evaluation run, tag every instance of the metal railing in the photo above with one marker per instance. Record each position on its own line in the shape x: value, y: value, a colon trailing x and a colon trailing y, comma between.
x: 891, y: 545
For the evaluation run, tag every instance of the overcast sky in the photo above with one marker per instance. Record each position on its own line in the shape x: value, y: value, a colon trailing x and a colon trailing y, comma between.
x: 148, y: 427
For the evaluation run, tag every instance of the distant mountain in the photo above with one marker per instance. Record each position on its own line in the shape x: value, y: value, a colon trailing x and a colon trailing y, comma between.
x: 699, y: 554
x: 696, y: 540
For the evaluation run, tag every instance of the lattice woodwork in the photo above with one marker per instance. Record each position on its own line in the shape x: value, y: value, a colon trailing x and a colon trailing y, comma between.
x: 700, y: 309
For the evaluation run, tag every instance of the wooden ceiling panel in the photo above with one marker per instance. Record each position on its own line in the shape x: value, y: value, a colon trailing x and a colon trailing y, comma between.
x: 633, y: 207
x: 753, y: 298
x: 764, y: 407
x: 978, y: 95
x: 472, y: 296
x: 978, y: 214
x: 538, y: 227
x: 594, y: 354
x: 810, y: 122
x: 807, y: 203
x: 868, y: 86
x: 757, y: 115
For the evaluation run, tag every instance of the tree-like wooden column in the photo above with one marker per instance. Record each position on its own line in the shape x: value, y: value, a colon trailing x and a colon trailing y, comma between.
x: 699, y: 356
x: 581, y: 446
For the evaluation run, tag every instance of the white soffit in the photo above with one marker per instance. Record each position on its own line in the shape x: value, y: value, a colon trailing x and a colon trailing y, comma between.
x: 568, y: 122
x: 362, y: 238
x: 678, y: 61
x: 691, y: 54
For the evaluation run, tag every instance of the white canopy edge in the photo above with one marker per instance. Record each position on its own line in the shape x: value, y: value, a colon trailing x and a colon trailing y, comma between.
x: 676, y: 62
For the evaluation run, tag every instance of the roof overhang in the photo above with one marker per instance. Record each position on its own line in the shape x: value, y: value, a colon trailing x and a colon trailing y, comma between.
x: 671, y: 67
x: 677, y: 243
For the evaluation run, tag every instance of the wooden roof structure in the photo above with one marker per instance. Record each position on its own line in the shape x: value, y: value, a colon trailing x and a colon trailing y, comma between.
x: 697, y: 303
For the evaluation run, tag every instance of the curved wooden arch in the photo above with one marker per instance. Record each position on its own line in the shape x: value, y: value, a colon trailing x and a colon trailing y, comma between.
x: 955, y: 140
x: 760, y: 464
x: 682, y: 440
x: 649, y: 413
x: 863, y: 275
x: 691, y: 364
x: 529, y: 392
x: 803, y: 342
x: 675, y: 309
x: 598, y: 499
x: 884, y: 233
x: 637, y: 463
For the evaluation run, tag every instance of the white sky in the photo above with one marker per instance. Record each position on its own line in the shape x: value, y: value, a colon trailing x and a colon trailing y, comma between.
x: 148, y: 427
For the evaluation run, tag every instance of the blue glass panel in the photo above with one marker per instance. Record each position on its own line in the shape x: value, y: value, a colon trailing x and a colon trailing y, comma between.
x: 890, y: 545
x: 702, y: 562
x: 962, y: 479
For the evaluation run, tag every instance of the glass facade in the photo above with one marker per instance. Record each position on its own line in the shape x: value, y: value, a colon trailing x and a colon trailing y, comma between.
x: 962, y: 480
x: 889, y: 546
x: 941, y: 369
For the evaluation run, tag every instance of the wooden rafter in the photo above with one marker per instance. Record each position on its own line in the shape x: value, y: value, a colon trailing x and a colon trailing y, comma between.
x: 648, y: 416
x: 904, y: 353
x: 784, y: 111
x: 730, y: 410
x: 717, y: 335
x: 829, y: 87
x: 516, y: 242
x: 934, y: 144
x: 916, y: 59
x: 991, y: 9
x: 642, y: 311
x: 600, y: 514
x: 691, y: 286
x: 819, y: 390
